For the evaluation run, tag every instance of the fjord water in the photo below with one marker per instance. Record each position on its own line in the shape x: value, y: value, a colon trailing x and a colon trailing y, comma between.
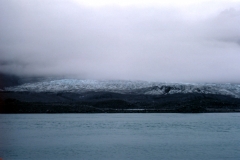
x: 212, y: 136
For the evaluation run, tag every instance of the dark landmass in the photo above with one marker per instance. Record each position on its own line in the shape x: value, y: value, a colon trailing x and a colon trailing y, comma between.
x: 108, y: 102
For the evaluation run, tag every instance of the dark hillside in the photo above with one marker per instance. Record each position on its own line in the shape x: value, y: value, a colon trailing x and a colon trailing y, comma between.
x: 98, y: 102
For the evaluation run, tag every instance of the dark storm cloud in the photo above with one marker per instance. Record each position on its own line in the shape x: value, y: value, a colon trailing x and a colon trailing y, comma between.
x: 48, y: 38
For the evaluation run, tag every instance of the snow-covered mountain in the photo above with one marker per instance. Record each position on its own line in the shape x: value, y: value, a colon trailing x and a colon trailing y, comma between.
x: 137, y: 87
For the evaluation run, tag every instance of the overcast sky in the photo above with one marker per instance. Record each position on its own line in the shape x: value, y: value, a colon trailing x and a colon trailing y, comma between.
x: 173, y: 41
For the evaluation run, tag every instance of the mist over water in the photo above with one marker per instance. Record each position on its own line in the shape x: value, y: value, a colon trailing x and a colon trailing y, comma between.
x: 120, y: 136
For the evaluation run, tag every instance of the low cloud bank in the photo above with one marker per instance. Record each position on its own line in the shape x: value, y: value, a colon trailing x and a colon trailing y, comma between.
x: 63, y: 38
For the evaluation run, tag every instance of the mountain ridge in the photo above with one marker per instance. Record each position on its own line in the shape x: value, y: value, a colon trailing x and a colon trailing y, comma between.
x: 93, y: 96
x: 135, y: 87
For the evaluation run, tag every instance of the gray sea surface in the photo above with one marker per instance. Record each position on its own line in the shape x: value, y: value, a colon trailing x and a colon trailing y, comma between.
x: 211, y: 136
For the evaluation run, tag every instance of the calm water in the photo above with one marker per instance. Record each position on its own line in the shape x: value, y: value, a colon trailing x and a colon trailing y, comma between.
x: 120, y: 136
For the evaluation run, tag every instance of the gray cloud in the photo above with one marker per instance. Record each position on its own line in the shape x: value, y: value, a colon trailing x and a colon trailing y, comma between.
x: 56, y: 38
